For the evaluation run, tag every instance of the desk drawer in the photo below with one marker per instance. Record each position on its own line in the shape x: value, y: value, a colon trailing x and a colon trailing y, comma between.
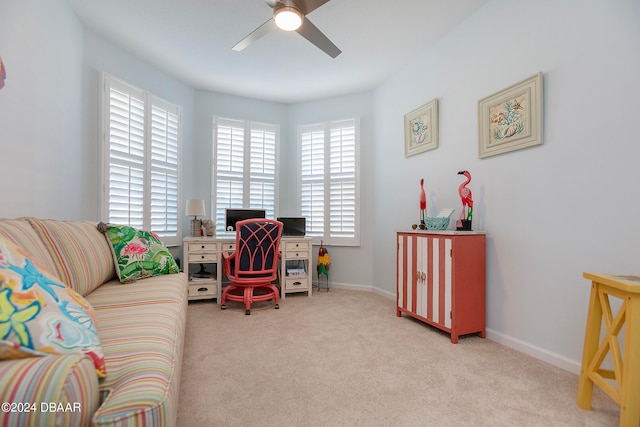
x: 203, y: 247
x: 202, y: 289
x: 296, y: 247
x: 203, y: 257
x: 296, y: 283
x: 297, y: 255
x: 228, y: 246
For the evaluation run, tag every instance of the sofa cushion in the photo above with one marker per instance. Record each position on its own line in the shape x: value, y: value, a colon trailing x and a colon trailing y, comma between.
x: 137, y: 253
x: 142, y: 327
x: 20, y: 232
x: 68, y: 382
x: 80, y: 251
x: 41, y: 316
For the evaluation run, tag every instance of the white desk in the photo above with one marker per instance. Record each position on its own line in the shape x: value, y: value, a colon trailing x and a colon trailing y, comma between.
x: 294, y: 267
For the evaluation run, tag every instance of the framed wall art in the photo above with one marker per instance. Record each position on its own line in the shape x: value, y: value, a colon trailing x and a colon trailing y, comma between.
x: 511, y: 119
x: 421, y: 129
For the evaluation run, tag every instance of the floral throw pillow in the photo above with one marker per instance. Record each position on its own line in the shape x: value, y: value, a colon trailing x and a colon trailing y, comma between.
x: 138, y: 254
x: 41, y: 316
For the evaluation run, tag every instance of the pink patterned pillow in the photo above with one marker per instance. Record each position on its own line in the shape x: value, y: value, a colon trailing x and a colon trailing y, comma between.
x: 39, y: 315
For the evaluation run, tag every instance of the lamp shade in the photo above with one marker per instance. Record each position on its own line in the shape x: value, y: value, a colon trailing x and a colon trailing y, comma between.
x: 195, y: 207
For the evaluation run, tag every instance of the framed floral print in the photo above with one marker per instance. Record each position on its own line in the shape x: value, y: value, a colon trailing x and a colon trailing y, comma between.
x: 421, y: 129
x: 511, y: 119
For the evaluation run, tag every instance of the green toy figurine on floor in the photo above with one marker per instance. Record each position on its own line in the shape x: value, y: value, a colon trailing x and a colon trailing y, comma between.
x: 324, y: 263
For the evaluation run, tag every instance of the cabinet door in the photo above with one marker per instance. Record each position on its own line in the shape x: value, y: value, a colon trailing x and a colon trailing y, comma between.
x: 405, y: 271
x: 439, y: 279
x: 425, y: 277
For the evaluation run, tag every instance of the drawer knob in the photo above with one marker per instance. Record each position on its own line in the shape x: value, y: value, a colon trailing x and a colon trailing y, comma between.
x: 201, y: 256
x: 202, y: 246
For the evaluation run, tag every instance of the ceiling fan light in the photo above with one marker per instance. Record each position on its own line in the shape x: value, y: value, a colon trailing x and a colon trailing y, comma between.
x: 288, y: 18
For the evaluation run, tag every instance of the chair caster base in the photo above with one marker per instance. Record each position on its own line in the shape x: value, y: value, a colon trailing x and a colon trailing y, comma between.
x: 223, y: 307
x: 277, y: 306
x: 247, y: 312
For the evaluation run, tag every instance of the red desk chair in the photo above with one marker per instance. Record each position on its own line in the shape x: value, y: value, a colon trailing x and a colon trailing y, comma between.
x: 254, y: 264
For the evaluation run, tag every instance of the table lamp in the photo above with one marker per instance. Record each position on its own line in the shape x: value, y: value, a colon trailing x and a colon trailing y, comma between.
x: 195, y: 208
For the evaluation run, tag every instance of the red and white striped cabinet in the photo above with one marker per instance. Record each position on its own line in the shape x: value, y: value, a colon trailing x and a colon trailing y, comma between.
x: 440, y: 279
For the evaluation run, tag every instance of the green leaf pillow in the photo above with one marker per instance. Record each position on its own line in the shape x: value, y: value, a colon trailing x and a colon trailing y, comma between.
x: 41, y: 316
x: 137, y: 254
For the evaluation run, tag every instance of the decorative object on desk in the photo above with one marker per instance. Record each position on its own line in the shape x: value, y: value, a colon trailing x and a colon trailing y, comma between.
x: 195, y: 208
x: 209, y: 227
x: 423, y: 202
x: 324, y: 263
x: 421, y: 129
x: 511, y: 119
x: 464, y: 222
x: 437, y: 223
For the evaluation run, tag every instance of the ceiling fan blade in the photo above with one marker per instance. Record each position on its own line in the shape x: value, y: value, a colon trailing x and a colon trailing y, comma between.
x: 255, y: 35
x: 308, y: 6
x: 315, y: 36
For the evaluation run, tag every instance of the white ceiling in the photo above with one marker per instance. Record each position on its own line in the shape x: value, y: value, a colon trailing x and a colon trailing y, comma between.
x: 192, y: 39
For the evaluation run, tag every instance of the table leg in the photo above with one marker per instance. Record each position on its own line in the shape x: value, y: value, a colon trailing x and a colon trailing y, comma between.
x: 591, y: 341
x: 630, y: 387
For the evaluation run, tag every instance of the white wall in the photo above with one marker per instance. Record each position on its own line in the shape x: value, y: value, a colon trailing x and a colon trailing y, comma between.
x: 42, y: 154
x: 550, y: 212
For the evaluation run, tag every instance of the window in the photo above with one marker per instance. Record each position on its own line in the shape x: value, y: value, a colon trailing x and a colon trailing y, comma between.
x: 245, y: 165
x: 329, y: 181
x: 141, y: 160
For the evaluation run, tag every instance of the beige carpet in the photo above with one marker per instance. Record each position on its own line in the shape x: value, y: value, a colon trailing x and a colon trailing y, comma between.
x: 343, y: 358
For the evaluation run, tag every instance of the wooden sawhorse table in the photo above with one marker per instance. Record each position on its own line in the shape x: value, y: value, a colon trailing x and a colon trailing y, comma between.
x: 622, y: 383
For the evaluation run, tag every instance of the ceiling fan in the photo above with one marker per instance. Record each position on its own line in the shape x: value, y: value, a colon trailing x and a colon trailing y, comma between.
x: 290, y: 15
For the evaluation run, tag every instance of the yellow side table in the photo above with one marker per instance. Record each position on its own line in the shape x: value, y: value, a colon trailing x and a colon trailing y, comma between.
x: 622, y: 383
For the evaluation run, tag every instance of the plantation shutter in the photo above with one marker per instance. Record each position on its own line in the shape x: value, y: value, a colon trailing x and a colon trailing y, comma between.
x: 262, y: 168
x: 329, y: 172
x: 142, y: 161
x: 342, y: 179
x: 165, y: 123
x: 312, y: 178
x: 126, y: 134
x: 245, y: 167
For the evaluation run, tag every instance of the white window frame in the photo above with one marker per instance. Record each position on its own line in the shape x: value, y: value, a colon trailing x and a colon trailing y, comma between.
x: 330, y: 234
x: 156, y: 160
x: 246, y: 176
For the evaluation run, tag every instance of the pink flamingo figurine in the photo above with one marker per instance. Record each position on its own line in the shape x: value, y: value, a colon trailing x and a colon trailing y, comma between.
x: 467, y: 200
x: 423, y: 202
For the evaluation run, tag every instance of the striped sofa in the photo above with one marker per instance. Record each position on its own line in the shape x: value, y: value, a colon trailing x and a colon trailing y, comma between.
x: 141, y: 329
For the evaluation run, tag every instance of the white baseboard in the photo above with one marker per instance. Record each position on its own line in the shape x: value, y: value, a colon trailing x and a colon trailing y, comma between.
x: 362, y: 288
x: 514, y: 343
x: 535, y: 351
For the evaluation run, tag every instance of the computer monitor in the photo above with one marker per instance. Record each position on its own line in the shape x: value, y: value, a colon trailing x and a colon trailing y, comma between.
x: 233, y: 215
x: 293, y: 226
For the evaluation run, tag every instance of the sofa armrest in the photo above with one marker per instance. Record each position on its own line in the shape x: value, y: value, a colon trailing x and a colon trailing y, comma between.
x: 50, y: 390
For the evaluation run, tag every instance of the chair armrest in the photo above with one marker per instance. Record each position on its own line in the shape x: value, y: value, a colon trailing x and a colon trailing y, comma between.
x: 227, y: 258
